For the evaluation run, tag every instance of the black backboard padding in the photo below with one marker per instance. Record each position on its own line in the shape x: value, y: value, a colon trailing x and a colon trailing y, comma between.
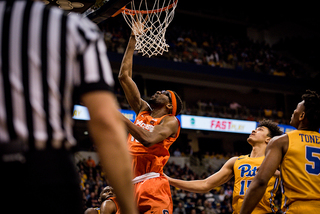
x: 107, y: 10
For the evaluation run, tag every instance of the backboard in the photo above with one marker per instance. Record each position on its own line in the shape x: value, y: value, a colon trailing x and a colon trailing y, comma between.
x: 88, y: 7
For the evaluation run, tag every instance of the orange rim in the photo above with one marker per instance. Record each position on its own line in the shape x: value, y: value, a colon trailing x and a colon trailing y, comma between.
x: 133, y: 12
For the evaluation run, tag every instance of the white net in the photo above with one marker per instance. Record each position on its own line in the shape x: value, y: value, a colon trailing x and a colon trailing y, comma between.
x: 149, y: 23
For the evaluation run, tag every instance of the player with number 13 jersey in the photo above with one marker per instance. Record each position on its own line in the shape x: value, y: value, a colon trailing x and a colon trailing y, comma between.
x: 245, y: 168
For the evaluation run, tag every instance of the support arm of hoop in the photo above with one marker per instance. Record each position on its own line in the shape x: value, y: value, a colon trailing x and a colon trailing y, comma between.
x: 119, y: 11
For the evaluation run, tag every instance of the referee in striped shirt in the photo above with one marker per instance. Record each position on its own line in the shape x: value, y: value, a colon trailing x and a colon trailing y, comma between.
x: 46, y: 58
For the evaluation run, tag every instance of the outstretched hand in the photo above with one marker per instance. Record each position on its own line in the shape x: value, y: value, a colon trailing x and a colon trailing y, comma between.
x: 138, y: 27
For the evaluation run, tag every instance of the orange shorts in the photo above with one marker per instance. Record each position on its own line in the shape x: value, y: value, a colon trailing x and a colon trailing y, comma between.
x: 154, y: 196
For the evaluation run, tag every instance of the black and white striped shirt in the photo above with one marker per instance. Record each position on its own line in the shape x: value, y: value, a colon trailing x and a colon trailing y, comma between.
x: 45, y: 56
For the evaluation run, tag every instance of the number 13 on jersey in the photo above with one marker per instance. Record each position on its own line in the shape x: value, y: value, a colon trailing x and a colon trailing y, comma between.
x: 244, y: 184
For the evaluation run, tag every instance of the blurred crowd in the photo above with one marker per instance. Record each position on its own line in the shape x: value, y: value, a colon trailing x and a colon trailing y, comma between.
x: 92, y: 182
x: 206, y: 47
x: 241, y: 54
x: 218, y: 200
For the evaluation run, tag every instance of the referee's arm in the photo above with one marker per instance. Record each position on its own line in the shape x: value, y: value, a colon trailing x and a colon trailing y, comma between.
x: 109, y: 135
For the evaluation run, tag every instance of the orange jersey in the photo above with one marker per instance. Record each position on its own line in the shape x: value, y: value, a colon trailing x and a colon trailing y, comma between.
x: 149, y: 159
x: 116, y: 203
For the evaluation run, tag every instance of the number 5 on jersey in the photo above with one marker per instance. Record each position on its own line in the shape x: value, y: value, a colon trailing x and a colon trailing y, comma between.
x: 313, y: 155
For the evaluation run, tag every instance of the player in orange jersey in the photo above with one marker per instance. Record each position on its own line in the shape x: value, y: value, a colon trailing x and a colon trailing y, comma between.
x: 150, y: 136
x: 298, y: 154
x: 108, y: 202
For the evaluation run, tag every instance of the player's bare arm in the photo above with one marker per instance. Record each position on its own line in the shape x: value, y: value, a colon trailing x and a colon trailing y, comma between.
x: 108, y: 207
x: 275, y: 151
x: 91, y: 211
x: 129, y: 87
x: 205, y: 185
x: 168, y: 127
x: 125, y: 76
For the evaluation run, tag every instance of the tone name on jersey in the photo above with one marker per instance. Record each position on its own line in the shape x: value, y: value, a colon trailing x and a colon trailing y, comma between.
x: 310, y: 138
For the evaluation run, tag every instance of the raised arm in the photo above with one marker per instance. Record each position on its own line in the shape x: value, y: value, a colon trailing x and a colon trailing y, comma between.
x: 275, y: 150
x: 203, y: 186
x: 125, y: 77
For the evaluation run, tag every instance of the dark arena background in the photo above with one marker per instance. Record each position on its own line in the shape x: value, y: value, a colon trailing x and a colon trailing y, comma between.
x: 232, y: 63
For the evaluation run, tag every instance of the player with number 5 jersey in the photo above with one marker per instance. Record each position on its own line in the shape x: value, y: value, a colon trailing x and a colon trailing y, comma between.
x: 298, y: 154
x: 244, y: 168
x: 301, y: 163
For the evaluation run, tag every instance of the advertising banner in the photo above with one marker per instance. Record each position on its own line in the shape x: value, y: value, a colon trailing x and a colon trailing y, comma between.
x: 81, y: 113
x: 217, y: 124
x: 131, y: 115
x: 286, y: 128
x: 192, y: 122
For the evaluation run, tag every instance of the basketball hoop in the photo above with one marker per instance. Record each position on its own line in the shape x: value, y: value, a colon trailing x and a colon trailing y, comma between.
x: 155, y: 15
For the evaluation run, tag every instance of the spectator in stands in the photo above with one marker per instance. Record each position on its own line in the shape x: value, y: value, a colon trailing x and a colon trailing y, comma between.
x: 221, y: 195
x: 182, y: 194
x: 234, y: 106
x: 87, y: 193
x: 83, y: 178
x: 82, y: 164
x: 180, y: 208
x: 199, y: 205
x: 90, y: 162
x: 91, y: 182
x: 92, y: 200
x: 228, y: 191
x: 218, y: 208
x: 177, y: 152
x: 268, y: 112
x: 208, y: 207
x: 215, y: 195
